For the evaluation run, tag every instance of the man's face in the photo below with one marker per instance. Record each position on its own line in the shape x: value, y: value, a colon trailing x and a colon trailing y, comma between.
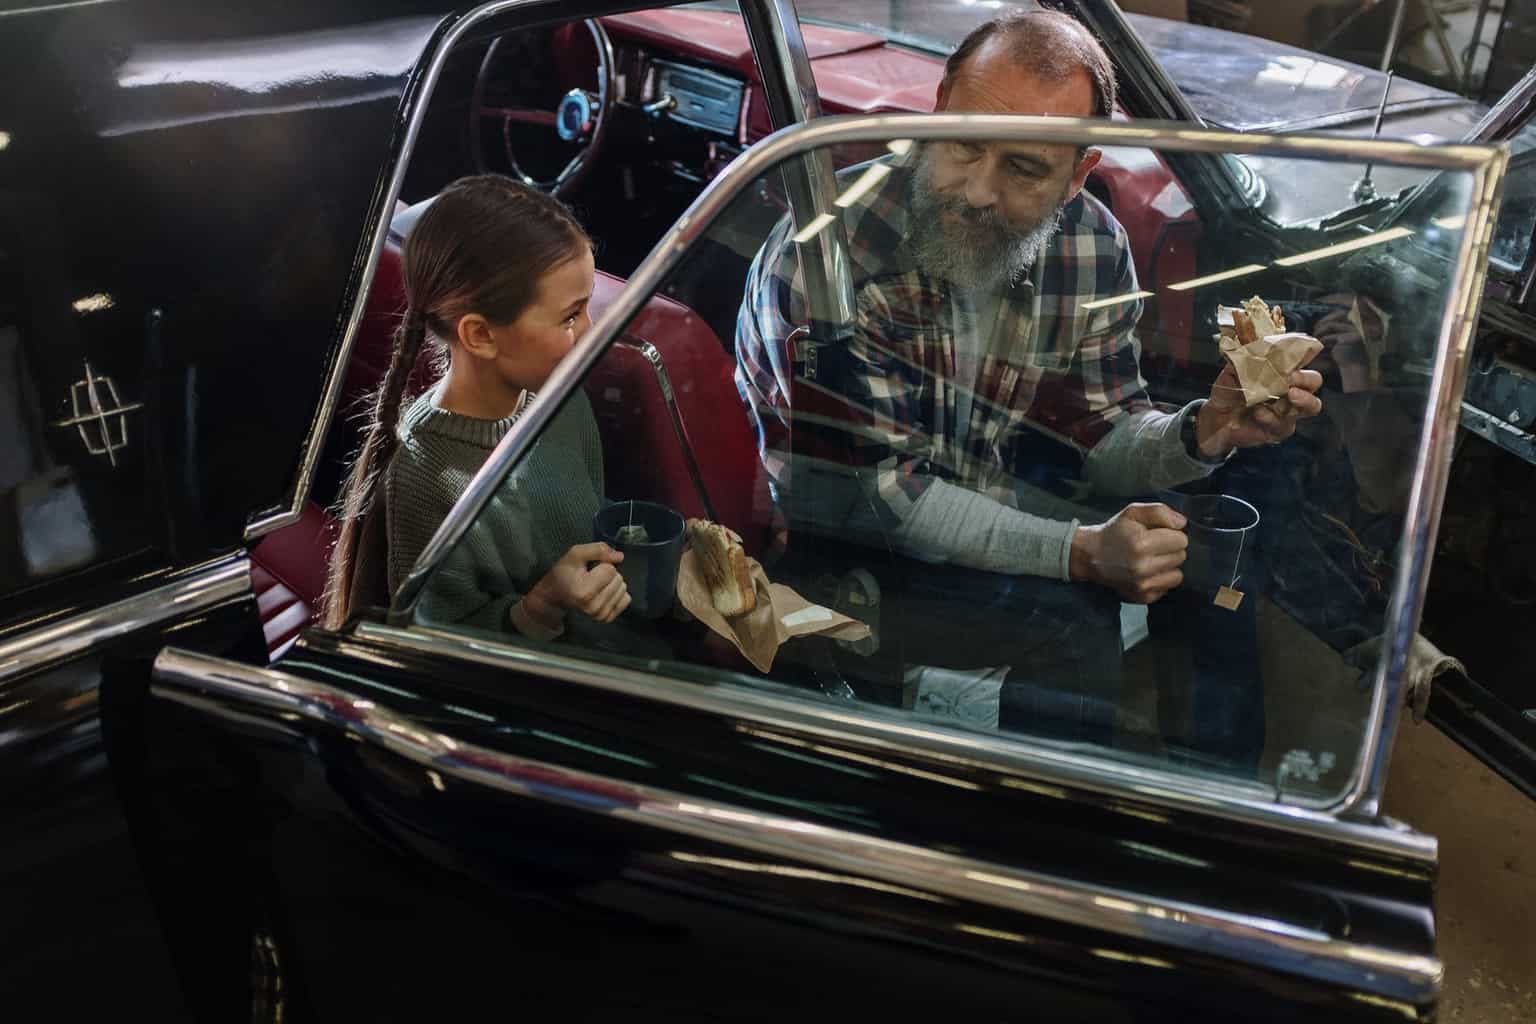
x: 984, y: 211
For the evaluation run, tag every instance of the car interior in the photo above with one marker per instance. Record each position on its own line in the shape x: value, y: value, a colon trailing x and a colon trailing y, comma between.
x: 678, y: 100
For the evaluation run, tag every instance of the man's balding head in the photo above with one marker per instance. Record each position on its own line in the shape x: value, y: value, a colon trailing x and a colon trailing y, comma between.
x: 1048, y: 46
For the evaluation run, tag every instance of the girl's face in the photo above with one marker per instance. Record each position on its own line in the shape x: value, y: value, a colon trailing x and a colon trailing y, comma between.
x: 529, y: 348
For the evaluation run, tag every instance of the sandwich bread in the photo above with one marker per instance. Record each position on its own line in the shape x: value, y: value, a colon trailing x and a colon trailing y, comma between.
x: 723, y: 562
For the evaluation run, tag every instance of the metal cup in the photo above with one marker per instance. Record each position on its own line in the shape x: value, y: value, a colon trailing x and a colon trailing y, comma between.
x: 1221, y: 541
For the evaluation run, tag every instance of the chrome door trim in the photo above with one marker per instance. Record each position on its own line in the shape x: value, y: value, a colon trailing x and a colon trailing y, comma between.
x: 83, y: 633
x: 233, y: 689
x: 893, y: 732
x: 1431, y: 470
x: 652, y: 355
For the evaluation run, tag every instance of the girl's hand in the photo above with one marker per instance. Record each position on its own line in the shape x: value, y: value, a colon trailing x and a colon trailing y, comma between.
x: 597, y: 591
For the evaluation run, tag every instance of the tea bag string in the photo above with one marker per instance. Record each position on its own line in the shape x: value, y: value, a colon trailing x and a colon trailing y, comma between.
x: 1237, y: 562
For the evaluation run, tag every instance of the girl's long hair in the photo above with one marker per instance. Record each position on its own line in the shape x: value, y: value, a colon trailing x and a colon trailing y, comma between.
x: 483, y: 246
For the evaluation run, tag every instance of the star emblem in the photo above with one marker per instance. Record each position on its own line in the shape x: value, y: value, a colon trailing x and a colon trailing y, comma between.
x: 99, y: 414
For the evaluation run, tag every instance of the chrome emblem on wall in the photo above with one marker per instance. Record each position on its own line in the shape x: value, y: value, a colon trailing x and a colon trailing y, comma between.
x: 99, y: 414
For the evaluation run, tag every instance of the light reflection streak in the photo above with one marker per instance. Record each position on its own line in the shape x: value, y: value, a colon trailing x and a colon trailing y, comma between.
x: 809, y: 874
x: 820, y: 762
x: 1116, y: 300
x: 1115, y: 903
x: 1168, y: 855
x: 1225, y: 275
x: 1055, y: 792
x: 1408, y: 1012
x: 868, y: 180
x: 590, y: 748
x: 1003, y: 880
x: 992, y: 933
x: 1131, y: 958
x: 822, y: 748
x: 1377, y: 238
x: 91, y: 303
x: 814, y: 228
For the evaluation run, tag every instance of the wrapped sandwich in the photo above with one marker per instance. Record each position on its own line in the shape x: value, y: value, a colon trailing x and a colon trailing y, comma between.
x: 723, y: 562
x: 1262, y: 352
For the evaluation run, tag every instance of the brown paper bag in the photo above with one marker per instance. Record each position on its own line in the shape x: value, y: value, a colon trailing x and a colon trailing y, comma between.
x: 1264, y: 367
x: 779, y: 616
x: 1264, y: 364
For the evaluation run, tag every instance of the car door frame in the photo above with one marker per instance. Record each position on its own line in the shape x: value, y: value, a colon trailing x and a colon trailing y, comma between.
x: 273, y: 700
x: 322, y: 686
x: 1501, y: 735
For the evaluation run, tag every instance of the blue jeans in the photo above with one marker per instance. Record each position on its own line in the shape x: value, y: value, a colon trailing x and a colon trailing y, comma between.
x: 1215, y: 675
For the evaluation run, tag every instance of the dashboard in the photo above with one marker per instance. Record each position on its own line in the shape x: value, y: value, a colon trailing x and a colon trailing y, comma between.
x: 696, y: 97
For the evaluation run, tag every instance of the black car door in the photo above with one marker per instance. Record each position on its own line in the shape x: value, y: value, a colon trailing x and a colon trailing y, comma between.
x: 408, y: 817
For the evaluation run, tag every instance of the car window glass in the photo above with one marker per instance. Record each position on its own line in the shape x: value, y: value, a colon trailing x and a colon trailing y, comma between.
x: 1517, y: 212
x: 1026, y: 489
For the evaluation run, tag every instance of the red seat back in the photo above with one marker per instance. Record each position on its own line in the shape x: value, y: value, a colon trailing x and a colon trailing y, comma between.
x: 643, y: 455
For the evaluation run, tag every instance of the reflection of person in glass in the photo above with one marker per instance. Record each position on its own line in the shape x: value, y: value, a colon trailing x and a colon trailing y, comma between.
x: 979, y: 344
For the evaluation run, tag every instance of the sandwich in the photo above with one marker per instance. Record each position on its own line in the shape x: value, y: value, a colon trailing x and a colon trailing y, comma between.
x: 1252, y: 322
x: 1262, y: 352
x: 723, y: 562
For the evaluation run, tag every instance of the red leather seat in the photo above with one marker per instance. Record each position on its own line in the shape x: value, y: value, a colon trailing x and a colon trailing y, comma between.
x: 288, y: 575
x: 702, y: 462
x: 668, y: 361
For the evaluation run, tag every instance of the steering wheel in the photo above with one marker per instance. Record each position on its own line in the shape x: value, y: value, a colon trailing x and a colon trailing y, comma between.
x: 580, y: 119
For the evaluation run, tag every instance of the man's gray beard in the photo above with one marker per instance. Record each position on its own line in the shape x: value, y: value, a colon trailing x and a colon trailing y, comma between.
x: 980, y: 251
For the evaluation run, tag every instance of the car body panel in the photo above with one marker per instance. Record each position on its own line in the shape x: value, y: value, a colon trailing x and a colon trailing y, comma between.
x: 766, y: 821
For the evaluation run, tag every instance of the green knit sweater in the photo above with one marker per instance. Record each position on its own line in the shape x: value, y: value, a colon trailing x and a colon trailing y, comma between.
x: 544, y: 506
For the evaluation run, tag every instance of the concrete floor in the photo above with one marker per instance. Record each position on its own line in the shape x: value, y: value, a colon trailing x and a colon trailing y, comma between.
x: 1487, y: 898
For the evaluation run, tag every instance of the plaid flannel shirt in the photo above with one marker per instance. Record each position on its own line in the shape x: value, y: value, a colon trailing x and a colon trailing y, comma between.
x: 1052, y: 371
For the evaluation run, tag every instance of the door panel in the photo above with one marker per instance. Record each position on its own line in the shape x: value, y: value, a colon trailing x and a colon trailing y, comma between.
x: 407, y: 840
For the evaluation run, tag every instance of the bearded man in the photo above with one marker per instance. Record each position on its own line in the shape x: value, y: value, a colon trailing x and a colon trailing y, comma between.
x: 976, y: 347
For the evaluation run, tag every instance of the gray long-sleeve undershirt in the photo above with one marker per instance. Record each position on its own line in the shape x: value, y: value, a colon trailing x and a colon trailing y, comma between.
x: 1142, y: 454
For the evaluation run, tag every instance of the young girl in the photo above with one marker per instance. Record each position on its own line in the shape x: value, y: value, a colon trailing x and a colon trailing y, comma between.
x: 499, y: 275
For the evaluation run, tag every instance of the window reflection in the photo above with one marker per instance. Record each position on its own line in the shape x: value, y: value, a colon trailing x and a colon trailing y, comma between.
x: 1087, y: 474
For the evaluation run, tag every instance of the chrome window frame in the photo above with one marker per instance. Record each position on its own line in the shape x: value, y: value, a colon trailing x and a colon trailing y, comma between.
x: 1432, y: 460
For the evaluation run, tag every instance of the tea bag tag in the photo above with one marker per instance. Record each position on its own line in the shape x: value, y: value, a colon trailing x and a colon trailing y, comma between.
x: 1228, y: 599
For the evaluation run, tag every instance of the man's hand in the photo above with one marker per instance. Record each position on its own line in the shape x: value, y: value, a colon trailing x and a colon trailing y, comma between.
x: 1136, y: 554
x: 598, y: 591
x: 1226, y: 422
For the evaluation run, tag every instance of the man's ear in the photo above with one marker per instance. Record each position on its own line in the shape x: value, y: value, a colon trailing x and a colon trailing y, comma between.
x: 474, y: 333
x: 941, y: 96
x: 1085, y: 166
